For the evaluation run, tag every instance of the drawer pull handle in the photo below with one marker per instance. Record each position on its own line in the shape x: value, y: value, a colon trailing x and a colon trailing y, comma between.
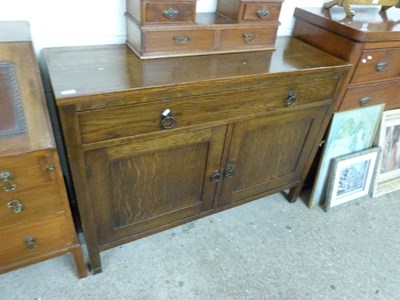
x: 381, y: 66
x: 364, y: 101
x: 249, y: 37
x: 182, y: 39
x: 170, y: 13
x: 30, y: 243
x: 167, y: 119
x: 8, y: 185
x: 291, y: 99
x: 229, y: 171
x: 263, y: 13
x: 215, y: 177
x: 15, y: 206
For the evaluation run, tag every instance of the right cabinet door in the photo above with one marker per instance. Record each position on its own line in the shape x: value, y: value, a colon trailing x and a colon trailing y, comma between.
x: 269, y: 153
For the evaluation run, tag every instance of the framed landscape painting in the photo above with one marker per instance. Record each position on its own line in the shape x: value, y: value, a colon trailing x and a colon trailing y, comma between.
x: 388, y: 177
x: 349, y: 132
x: 351, y: 176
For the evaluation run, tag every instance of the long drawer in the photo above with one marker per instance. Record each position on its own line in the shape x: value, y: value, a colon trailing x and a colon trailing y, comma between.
x: 112, y: 123
x: 34, y: 239
x: 377, y: 64
x: 371, y: 94
x: 29, y: 205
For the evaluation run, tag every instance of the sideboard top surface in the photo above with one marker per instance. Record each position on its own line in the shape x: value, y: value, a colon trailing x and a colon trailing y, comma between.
x: 369, y: 24
x: 79, y: 72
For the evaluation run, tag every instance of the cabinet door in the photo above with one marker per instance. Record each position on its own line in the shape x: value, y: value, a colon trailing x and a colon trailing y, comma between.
x: 150, y: 183
x: 269, y: 153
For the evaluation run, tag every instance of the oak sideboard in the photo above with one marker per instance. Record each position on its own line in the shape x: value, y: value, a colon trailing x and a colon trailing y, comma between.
x: 155, y: 143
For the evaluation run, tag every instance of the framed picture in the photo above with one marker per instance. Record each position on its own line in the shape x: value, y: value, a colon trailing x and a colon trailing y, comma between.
x: 388, y: 177
x: 351, y: 176
x: 349, y: 132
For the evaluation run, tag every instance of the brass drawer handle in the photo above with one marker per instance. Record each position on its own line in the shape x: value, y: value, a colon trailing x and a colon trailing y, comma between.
x: 167, y: 119
x: 291, y: 99
x: 16, y: 206
x: 263, y: 13
x: 249, y: 37
x: 381, y: 66
x: 170, y: 13
x: 364, y: 101
x: 30, y: 243
x: 182, y: 39
x: 8, y: 185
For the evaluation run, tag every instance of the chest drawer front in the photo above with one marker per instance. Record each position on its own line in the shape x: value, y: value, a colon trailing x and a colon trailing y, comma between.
x: 113, y: 123
x: 34, y: 239
x: 373, y: 94
x: 176, y: 41
x: 249, y: 37
x: 170, y: 12
x: 25, y: 171
x: 375, y: 65
x: 25, y: 206
x: 261, y: 11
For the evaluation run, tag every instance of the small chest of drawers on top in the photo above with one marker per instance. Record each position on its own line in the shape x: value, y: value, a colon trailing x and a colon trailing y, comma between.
x: 35, y: 217
x: 370, y: 41
x: 173, y: 28
x: 156, y: 143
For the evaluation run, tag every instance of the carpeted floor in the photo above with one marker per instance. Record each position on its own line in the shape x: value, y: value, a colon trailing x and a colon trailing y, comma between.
x: 267, y: 249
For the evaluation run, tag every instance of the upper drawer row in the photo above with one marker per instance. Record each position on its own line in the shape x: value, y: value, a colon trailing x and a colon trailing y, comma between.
x: 376, y: 65
x: 152, y: 117
x: 149, y: 12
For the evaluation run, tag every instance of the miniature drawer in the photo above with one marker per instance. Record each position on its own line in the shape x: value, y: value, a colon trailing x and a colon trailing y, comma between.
x: 261, y: 11
x: 177, y: 41
x: 131, y: 120
x: 26, y: 206
x: 161, y: 11
x: 372, y: 94
x: 25, y: 171
x: 260, y: 37
x: 34, y: 239
x: 375, y: 65
x: 250, y: 11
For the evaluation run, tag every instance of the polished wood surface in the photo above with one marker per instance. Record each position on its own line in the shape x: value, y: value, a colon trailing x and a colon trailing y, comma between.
x: 114, y: 68
x: 244, y: 126
x: 370, y: 41
x: 35, y: 218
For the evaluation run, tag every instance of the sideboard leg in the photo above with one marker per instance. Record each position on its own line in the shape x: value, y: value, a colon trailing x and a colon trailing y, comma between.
x: 80, y: 265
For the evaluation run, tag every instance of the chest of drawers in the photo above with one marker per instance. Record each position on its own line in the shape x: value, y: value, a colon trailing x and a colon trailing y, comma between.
x: 173, y: 28
x: 35, y: 218
x: 370, y: 41
x: 156, y: 143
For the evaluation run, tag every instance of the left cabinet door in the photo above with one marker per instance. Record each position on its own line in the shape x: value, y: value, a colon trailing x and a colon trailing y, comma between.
x: 153, y: 182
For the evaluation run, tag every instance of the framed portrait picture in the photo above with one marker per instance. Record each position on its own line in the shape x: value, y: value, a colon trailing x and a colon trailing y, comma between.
x: 388, y: 177
x: 350, y: 131
x: 351, y: 176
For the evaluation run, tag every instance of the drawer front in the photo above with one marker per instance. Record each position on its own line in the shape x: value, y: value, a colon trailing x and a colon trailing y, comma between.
x: 25, y: 171
x: 375, y: 65
x: 34, y: 239
x: 25, y: 206
x: 249, y: 37
x: 113, y: 123
x: 176, y: 41
x: 170, y: 12
x: 257, y: 11
x: 373, y: 94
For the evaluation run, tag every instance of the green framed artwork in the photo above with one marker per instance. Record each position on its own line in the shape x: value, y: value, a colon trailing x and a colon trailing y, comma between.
x: 349, y: 132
